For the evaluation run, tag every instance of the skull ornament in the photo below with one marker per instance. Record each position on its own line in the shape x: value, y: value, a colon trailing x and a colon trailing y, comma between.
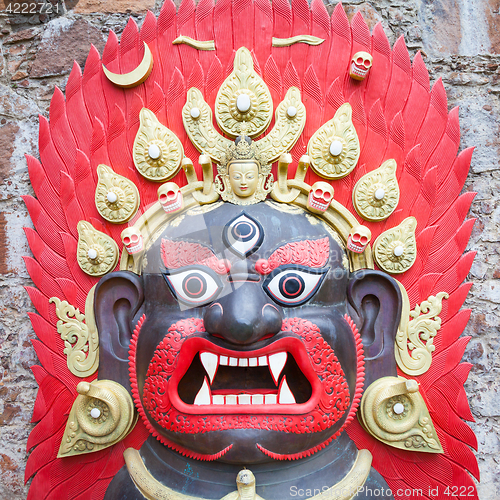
x: 132, y: 239
x: 361, y: 63
x: 320, y: 197
x: 170, y: 197
x: 359, y: 238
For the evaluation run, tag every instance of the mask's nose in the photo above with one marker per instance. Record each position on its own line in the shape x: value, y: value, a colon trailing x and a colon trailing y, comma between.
x: 244, y: 316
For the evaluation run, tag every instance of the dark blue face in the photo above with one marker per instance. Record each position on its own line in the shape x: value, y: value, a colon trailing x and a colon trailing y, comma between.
x: 246, y: 350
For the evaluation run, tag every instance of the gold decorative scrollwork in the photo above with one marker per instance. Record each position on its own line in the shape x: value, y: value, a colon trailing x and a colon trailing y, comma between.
x: 157, y: 151
x: 307, y: 39
x: 395, y: 250
x: 334, y: 148
x: 243, y: 105
x: 393, y: 411
x: 81, y: 340
x: 414, y: 340
x: 290, y: 119
x: 97, y: 253
x: 197, y: 118
x: 116, y: 197
x: 376, y: 194
x: 102, y: 415
x: 196, y: 44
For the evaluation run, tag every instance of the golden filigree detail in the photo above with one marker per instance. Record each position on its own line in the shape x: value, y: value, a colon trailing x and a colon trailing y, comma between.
x: 116, y: 197
x: 290, y: 119
x: 101, y: 416
x: 395, y: 250
x: 196, y: 44
x: 81, y: 340
x: 135, y: 77
x: 243, y: 105
x: 243, y: 167
x: 197, y: 118
x: 393, y: 411
x: 157, y: 151
x: 308, y: 39
x: 97, y: 253
x: 376, y: 194
x: 415, y: 337
x: 334, y: 148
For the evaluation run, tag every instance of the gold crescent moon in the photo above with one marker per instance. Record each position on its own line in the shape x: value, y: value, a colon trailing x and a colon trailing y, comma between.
x: 135, y: 77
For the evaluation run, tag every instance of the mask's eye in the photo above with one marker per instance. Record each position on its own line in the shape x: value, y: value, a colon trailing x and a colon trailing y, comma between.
x: 194, y: 286
x: 292, y: 286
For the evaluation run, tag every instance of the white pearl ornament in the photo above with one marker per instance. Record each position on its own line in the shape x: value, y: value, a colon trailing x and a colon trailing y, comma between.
x: 243, y: 103
x: 398, y: 408
x: 111, y: 197
x: 398, y: 251
x: 335, y: 148
x: 154, y: 152
x: 95, y: 413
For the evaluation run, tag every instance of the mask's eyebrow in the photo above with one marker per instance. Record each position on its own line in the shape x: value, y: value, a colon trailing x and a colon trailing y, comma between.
x: 175, y: 254
x: 309, y: 253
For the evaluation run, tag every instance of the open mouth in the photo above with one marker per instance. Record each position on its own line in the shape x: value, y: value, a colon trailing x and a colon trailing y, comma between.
x: 211, y: 379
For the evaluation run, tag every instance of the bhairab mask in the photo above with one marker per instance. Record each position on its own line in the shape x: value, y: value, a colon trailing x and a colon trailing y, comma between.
x: 227, y: 334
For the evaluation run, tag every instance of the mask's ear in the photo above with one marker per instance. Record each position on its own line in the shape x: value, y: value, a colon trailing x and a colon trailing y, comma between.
x: 376, y: 301
x: 118, y: 298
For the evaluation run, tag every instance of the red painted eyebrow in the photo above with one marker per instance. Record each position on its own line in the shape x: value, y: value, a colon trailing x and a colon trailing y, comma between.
x: 309, y: 253
x: 177, y: 254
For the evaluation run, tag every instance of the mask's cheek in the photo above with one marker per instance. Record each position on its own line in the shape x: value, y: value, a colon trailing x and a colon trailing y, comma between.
x: 153, y: 396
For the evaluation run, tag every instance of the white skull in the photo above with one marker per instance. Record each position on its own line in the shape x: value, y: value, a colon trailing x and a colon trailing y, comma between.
x: 359, y: 238
x: 170, y: 197
x: 361, y: 63
x: 320, y: 197
x: 132, y: 239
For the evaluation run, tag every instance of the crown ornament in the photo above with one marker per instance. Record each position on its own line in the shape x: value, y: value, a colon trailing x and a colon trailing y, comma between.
x: 244, y: 173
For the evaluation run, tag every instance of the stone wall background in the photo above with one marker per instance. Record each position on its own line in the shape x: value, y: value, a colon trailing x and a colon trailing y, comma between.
x: 460, y: 42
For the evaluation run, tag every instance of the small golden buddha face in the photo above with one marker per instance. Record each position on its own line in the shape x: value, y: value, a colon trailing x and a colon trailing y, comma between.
x: 244, y: 178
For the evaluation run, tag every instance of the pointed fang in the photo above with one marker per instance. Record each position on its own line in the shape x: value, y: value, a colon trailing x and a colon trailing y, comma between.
x: 285, y: 396
x: 203, y: 396
x: 276, y: 364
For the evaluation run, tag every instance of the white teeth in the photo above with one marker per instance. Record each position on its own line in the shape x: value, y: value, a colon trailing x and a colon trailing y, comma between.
x: 203, y: 396
x: 231, y: 399
x: 285, y: 396
x: 270, y: 399
x: 257, y: 399
x: 244, y: 399
x: 276, y: 363
x: 210, y: 362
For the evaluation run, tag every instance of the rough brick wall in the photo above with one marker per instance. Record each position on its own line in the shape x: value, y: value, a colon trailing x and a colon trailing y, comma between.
x: 460, y: 41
